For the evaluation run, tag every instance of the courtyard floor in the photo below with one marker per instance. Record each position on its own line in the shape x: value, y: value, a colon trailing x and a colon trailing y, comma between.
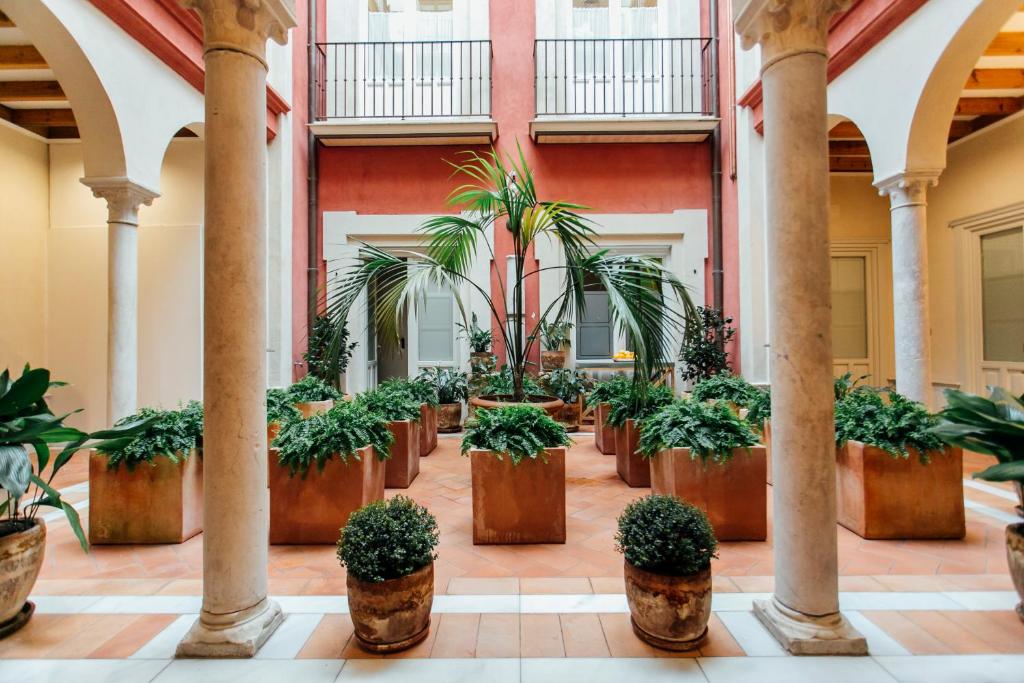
x: 931, y: 611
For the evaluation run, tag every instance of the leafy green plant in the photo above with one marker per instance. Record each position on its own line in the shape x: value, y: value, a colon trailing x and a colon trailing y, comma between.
x: 341, y: 431
x: 638, y: 403
x: 502, y: 383
x: 555, y: 336
x: 665, y: 535
x: 606, y: 391
x: 566, y: 384
x: 172, y: 434
x: 26, y: 421
x: 419, y: 390
x: 328, y: 350
x: 895, y: 426
x: 479, y: 339
x: 391, y: 406
x: 709, y: 430
x: 388, y: 539
x: 725, y: 386
x: 517, y: 431
x: 703, y: 353
x: 280, y: 406
x: 451, y: 385
x: 993, y: 425
x: 846, y: 384
x: 759, y: 407
x: 311, y: 388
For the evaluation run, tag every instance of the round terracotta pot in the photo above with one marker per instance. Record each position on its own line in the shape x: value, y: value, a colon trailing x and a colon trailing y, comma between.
x: 1020, y: 497
x: 552, y: 360
x: 669, y: 612
x: 449, y: 418
x: 392, y: 615
x: 486, y: 359
x: 549, y: 404
x: 1015, y: 558
x: 21, y: 557
x: 311, y: 408
x: 570, y: 416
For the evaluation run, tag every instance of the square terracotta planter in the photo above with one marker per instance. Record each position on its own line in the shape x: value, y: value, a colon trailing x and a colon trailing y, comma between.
x: 428, y: 428
x: 632, y: 468
x: 882, y: 497
x: 604, y: 434
x: 313, y: 510
x: 733, y: 494
x: 404, y: 464
x: 311, y: 408
x: 159, y: 503
x: 522, y: 503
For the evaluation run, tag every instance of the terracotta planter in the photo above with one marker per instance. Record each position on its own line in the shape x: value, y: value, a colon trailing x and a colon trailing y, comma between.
x: 273, y: 429
x: 552, y: 360
x: 314, y: 509
x: 604, y: 434
x: 570, y: 416
x: 21, y: 557
x: 449, y: 418
x: 428, y: 428
x: 733, y: 494
x: 158, y: 503
x: 404, y: 464
x: 1015, y: 558
x: 392, y: 615
x: 311, y: 408
x: 549, y: 404
x: 882, y: 497
x: 632, y: 468
x: 522, y: 503
x: 669, y: 612
x: 766, y: 441
x: 484, y: 359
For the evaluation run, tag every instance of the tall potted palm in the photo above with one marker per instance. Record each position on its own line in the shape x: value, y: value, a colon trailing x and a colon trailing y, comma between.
x: 647, y: 302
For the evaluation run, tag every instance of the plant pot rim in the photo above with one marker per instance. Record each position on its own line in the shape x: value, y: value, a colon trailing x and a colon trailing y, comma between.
x: 944, y: 450
x: 698, y: 576
x: 36, y: 527
x: 412, y: 577
x: 505, y: 400
x: 1016, y: 528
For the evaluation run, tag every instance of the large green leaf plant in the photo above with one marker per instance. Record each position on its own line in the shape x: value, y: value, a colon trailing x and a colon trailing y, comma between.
x: 993, y: 425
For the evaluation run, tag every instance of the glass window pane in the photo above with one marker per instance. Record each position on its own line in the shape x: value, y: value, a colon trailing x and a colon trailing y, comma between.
x: 436, y: 323
x: 594, y: 327
x: 849, y: 307
x: 1002, y: 285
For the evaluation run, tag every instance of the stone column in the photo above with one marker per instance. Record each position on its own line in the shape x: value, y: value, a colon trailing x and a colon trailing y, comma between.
x: 237, y: 617
x: 124, y: 198
x: 804, y: 611
x: 907, y: 196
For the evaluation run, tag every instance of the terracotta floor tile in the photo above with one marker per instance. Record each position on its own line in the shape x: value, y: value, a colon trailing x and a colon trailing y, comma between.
x: 498, y: 635
x: 541, y: 636
x: 860, y: 584
x: 463, y: 585
x: 583, y: 636
x: 754, y: 584
x: 456, y: 636
x: 329, y: 638
x: 720, y: 642
x: 622, y: 642
x: 947, y: 631
x: 908, y: 634
x: 134, y: 635
x: 1003, y: 631
x: 537, y: 586
x: 420, y: 650
x: 182, y: 587
x: 608, y: 584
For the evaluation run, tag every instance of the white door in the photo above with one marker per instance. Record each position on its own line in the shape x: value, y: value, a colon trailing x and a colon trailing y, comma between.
x: 1000, y: 257
x: 432, y: 338
x: 852, y: 318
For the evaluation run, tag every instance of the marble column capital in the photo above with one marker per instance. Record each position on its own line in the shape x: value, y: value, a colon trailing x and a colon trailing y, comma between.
x: 909, y: 188
x: 123, y: 196
x: 784, y: 28
x: 244, y: 25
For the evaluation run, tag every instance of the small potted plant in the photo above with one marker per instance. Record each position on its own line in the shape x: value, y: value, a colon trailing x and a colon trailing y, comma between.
x: 599, y: 399
x: 569, y: 386
x: 388, y: 548
x: 731, y: 389
x: 628, y: 411
x: 704, y: 453
x: 27, y: 423
x: 668, y: 545
x: 993, y: 426
x: 149, y: 489
x: 555, y: 339
x: 312, y: 395
x: 895, y: 478
x: 452, y: 389
x: 324, y: 468
x: 705, y: 343
x: 424, y: 393
x: 401, y: 412
x: 517, y: 460
x: 481, y: 360
x: 280, y: 409
x: 329, y: 351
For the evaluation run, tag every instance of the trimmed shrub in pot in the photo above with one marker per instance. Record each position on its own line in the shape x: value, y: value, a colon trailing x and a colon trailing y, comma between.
x: 452, y: 389
x: 517, y: 459
x: 599, y: 400
x: 312, y: 395
x: 402, y: 414
x: 569, y: 386
x: 555, y: 339
x: 704, y: 453
x: 280, y: 409
x: 895, y: 479
x: 626, y: 416
x: 324, y: 468
x: 668, y: 545
x: 149, y: 489
x: 425, y: 393
x: 388, y: 548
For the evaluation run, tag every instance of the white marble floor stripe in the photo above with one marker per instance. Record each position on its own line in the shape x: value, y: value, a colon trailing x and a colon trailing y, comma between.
x: 955, y: 669
x: 879, y: 642
x: 985, y: 600
x: 794, y: 670
x: 289, y: 637
x: 653, y: 670
x: 251, y: 671
x: 431, y: 671
x: 991, y: 490
x: 992, y: 512
x: 751, y: 635
x: 81, y: 670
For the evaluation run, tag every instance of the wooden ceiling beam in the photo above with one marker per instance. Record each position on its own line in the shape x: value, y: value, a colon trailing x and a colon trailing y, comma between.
x: 1006, y: 45
x: 43, y: 117
x: 848, y: 148
x: 32, y: 91
x: 845, y: 129
x: 21, y: 57
x: 985, y: 106
x: 995, y: 79
x: 849, y: 164
x: 5, y: 21
x: 959, y: 129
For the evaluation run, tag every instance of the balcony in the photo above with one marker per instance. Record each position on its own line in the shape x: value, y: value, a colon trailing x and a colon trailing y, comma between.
x: 623, y: 90
x: 404, y: 93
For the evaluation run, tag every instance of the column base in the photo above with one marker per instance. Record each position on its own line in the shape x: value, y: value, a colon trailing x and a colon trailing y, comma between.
x: 802, y: 634
x: 236, y: 635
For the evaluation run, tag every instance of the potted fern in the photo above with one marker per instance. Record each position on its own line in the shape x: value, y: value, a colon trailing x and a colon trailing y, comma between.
x: 424, y: 393
x: 312, y: 395
x: 895, y: 477
x: 668, y: 545
x: 323, y: 468
x: 452, y: 389
x: 481, y: 360
x: 280, y: 409
x: 626, y: 416
x: 599, y: 400
x: 388, y: 548
x: 759, y: 415
x: 704, y: 453
x: 401, y: 412
x: 555, y: 339
x: 731, y: 389
x: 149, y: 489
x: 993, y: 426
x: 569, y: 386
x: 517, y: 460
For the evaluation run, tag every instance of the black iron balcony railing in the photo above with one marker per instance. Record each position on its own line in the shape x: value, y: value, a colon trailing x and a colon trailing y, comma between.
x: 403, y: 80
x: 623, y: 76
